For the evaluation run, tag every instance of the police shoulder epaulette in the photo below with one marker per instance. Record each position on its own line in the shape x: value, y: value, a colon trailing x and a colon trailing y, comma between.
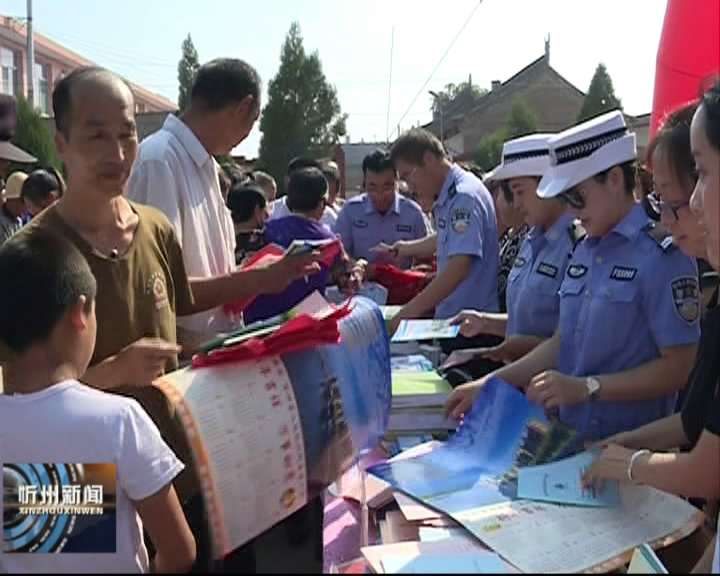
x: 660, y: 235
x: 452, y: 191
x: 577, y: 233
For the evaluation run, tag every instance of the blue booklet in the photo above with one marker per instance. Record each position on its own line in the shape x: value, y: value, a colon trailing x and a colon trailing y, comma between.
x: 560, y: 482
x: 478, y: 465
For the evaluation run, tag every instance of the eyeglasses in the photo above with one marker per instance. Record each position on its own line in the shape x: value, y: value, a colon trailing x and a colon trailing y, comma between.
x: 574, y: 198
x: 664, y: 209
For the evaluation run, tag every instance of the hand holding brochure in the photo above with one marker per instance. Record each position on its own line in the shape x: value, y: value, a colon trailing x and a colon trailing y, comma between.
x: 417, y: 330
x: 560, y: 482
x: 329, y: 249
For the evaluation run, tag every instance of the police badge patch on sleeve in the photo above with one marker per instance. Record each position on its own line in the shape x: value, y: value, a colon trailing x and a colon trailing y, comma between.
x: 460, y: 220
x: 686, y: 298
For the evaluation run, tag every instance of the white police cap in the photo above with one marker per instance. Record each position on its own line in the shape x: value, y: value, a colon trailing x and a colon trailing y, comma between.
x: 524, y: 156
x: 585, y: 150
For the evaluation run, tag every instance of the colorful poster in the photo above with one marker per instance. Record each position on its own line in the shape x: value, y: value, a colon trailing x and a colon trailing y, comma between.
x: 478, y: 465
x: 269, y: 434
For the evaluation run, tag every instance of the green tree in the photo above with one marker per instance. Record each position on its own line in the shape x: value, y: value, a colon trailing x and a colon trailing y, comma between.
x: 33, y: 136
x: 522, y: 120
x: 303, y: 114
x: 600, y: 96
x: 187, y: 68
x: 452, y: 91
x: 489, y: 151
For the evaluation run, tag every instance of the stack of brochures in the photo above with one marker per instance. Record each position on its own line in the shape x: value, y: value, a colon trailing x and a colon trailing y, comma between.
x: 418, y: 403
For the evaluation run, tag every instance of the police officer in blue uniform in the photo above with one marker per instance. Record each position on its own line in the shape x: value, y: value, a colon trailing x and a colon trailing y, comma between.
x: 466, y: 241
x: 380, y: 214
x: 629, y: 303
x: 533, y: 302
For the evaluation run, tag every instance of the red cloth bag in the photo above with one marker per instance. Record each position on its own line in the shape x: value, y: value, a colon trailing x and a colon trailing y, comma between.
x: 402, y: 285
x: 300, y: 333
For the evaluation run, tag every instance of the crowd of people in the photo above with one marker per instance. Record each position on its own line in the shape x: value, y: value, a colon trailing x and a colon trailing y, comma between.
x: 597, y: 300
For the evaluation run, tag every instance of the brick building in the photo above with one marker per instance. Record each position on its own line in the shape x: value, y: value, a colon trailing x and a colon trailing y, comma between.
x: 51, y: 61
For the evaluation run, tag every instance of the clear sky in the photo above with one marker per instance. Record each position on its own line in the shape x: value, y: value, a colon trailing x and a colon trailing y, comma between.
x: 141, y: 39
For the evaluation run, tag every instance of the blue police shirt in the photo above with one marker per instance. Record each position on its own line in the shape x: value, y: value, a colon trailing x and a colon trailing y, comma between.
x: 625, y: 296
x: 533, y: 299
x: 466, y: 226
x: 362, y: 228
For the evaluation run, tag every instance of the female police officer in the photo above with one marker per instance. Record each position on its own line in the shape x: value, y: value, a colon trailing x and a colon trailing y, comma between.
x: 628, y: 324
x: 628, y: 456
x: 532, y: 292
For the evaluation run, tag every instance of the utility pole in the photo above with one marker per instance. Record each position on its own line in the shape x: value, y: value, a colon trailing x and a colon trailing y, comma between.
x: 30, y: 74
x: 439, y: 105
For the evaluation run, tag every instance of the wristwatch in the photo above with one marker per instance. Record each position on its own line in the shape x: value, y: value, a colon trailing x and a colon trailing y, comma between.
x: 593, y: 387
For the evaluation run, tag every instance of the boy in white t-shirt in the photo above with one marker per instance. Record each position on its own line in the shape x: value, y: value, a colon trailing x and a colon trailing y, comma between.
x: 47, y: 320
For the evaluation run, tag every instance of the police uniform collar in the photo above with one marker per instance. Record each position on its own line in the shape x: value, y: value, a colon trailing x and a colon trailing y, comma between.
x: 370, y: 207
x: 633, y: 223
x: 450, y: 182
x: 559, y: 227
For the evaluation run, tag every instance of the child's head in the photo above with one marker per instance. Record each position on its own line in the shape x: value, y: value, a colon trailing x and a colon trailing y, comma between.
x: 307, y: 192
x: 47, y: 301
x: 247, y: 204
x: 40, y: 189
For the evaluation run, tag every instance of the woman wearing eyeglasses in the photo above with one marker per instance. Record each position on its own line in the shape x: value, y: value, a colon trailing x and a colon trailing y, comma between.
x: 629, y: 311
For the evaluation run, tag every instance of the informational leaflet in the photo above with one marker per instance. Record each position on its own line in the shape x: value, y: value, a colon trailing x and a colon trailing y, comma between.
x: 419, y: 330
x: 561, y: 482
x: 579, y: 539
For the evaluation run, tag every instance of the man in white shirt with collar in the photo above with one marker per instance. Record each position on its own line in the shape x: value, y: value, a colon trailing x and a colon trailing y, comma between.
x: 177, y: 173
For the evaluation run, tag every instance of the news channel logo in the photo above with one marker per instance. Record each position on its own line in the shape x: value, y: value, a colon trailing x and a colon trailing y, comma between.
x: 54, y: 508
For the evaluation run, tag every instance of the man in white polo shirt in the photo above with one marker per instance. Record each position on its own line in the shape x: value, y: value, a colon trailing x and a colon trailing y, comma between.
x: 177, y: 173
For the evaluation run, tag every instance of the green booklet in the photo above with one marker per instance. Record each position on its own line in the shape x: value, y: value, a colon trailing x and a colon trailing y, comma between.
x: 413, y: 382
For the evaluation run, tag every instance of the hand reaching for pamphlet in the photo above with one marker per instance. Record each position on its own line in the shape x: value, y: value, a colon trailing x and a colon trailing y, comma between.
x: 396, y: 251
x: 473, y: 323
x: 143, y: 361
x: 460, y: 357
x: 613, y: 463
x: 625, y: 439
x: 461, y: 399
